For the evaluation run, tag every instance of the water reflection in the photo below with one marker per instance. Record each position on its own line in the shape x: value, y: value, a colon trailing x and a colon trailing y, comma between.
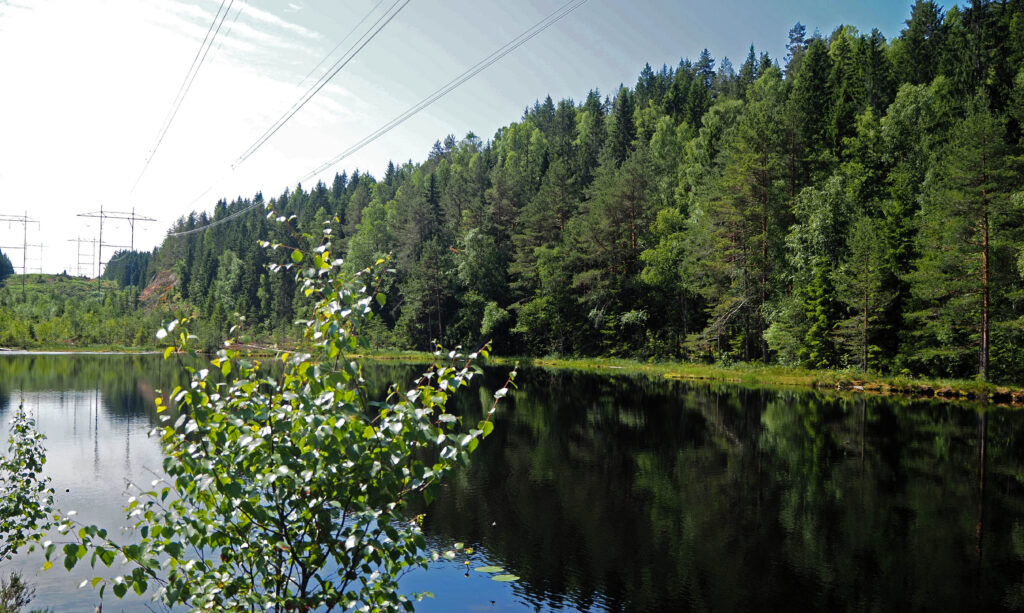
x: 623, y: 493
x: 628, y: 494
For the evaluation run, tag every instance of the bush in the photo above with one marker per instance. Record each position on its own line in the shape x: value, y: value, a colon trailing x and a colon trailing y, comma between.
x: 26, y: 498
x: 290, y: 492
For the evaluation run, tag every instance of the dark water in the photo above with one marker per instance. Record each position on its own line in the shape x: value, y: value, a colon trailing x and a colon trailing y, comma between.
x: 628, y: 494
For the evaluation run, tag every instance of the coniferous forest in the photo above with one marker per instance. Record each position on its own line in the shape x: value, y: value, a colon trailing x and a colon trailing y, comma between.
x: 857, y: 203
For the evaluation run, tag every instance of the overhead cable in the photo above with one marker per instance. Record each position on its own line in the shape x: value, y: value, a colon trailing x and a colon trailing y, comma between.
x: 219, y: 221
x: 372, y: 10
x: 186, y: 85
x: 231, y: 26
x: 499, y: 53
x: 342, y: 41
x: 343, y: 61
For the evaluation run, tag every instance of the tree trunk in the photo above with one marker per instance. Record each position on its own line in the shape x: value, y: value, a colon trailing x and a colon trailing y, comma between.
x: 983, y: 361
x: 865, y: 362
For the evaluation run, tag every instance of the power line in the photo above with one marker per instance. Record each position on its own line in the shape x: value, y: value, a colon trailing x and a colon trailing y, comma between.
x: 342, y: 41
x: 231, y: 26
x: 186, y: 85
x: 372, y: 10
x: 355, y: 28
x: 131, y: 218
x: 218, y: 222
x: 343, y: 61
x: 499, y: 53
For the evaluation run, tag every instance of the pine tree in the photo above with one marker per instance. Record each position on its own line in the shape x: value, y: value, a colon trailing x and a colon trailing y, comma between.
x: 795, y: 48
x: 743, y: 222
x: 965, y: 218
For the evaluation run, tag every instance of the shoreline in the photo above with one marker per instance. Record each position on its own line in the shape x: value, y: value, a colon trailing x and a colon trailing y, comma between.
x: 9, y: 351
x: 840, y: 381
x: 774, y: 376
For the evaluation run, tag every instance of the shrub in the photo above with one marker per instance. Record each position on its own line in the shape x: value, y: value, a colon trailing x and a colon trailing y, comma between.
x: 290, y: 492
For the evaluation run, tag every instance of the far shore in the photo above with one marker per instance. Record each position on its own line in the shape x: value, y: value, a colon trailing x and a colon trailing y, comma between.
x: 843, y: 381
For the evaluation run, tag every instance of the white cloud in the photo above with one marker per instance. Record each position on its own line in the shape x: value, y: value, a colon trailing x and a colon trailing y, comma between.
x: 272, y: 19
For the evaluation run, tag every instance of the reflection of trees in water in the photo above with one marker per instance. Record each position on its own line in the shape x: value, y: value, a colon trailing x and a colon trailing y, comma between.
x: 126, y: 383
x: 629, y: 493
x: 646, y: 495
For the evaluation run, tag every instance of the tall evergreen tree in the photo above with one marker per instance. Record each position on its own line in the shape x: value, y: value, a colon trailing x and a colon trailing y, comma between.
x: 965, y: 220
x: 846, y: 88
x: 918, y: 49
x: 621, y: 129
x: 807, y: 113
x: 744, y: 221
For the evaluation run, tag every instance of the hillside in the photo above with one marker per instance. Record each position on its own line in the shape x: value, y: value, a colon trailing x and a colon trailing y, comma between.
x: 62, y: 312
x: 853, y: 204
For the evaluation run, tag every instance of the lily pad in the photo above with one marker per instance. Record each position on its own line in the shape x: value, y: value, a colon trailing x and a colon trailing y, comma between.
x: 505, y: 578
x: 489, y: 569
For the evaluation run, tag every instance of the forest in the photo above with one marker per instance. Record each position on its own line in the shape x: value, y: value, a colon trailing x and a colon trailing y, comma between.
x: 6, y: 269
x: 858, y: 203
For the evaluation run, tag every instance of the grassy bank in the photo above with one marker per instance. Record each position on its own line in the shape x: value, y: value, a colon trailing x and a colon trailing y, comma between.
x: 766, y: 376
x: 773, y: 376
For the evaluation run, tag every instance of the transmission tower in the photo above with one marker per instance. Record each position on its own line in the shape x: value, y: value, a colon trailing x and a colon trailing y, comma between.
x: 24, y: 221
x: 39, y: 260
x: 89, y: 255
x: 131, y: 218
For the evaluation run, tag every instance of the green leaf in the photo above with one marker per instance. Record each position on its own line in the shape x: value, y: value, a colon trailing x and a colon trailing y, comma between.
x: 107, y: 556
x: 296, y: 256
x: 120, y: 589
x: 489, y: 569
x: 168, y: 352
x: 505, y: 578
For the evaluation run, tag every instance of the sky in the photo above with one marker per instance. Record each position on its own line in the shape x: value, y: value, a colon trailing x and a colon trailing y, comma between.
x: 86, y: 87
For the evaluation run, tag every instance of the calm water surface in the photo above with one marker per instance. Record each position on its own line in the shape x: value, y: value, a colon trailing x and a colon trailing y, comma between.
x: 615, y: 493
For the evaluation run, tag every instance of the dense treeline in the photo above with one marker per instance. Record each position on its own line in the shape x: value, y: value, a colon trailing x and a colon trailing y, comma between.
x: 129, y: 268
x: 856, y: 203
x: 6, y: 269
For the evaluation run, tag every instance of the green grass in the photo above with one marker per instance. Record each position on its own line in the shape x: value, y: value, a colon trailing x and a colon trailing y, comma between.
x: 757, y: 375
x: 70, y: 287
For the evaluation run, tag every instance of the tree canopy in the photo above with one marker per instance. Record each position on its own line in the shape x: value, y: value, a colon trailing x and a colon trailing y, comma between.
x: 706, y: 212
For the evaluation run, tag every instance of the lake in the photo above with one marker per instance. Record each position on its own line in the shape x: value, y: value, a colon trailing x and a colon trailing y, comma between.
x: 622, y: 493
